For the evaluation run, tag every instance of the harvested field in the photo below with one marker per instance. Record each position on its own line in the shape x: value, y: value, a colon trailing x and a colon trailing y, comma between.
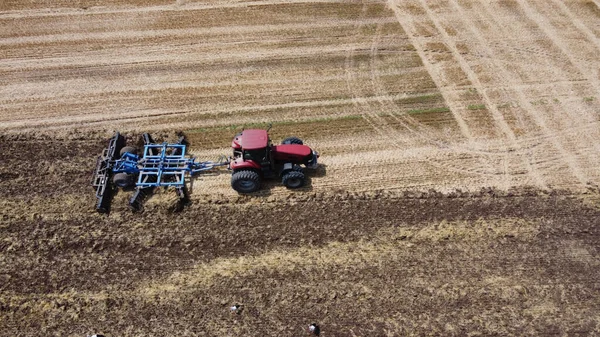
x: 458, y: 192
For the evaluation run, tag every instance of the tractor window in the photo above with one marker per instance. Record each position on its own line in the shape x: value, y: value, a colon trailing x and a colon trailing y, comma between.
x: 255, y: 155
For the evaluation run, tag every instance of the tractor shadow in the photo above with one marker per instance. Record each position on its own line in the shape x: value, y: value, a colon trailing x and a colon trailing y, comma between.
x: 319, y: 172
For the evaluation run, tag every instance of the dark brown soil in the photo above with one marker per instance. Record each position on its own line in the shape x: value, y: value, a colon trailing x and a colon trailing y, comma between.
x: 496, y: 263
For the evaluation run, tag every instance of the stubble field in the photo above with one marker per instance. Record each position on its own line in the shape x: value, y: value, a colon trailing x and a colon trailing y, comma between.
x: 458, y: 192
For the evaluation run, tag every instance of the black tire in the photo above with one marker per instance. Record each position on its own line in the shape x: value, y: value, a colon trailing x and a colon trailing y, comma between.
x: 293, y: 179
x: 129, y: 149
x: 123, y: 180
x: 292, y: 140
x: 245, y: 181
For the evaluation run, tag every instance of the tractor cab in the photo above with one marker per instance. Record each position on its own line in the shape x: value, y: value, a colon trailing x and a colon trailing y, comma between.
x: 255, y: 158
x: 253, y: 146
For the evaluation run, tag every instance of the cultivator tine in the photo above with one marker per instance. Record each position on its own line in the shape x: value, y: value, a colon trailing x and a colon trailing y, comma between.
x: 148, y: 141
x: 184, y: 196
x: 184, y: 199
x: 182, y: 140
x: 136, y: 203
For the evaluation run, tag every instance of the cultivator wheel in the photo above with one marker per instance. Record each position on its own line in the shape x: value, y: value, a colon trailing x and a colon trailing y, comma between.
x: 136, y: 203
x: 128, y: 149
x: 245, y: 181
x: 124, y: 180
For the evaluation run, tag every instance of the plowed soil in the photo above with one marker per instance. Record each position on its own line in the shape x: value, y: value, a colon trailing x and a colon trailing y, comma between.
x: 457, y: 193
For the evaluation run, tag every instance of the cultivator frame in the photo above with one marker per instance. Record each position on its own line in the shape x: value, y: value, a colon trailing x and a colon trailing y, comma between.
x: 159, y: 165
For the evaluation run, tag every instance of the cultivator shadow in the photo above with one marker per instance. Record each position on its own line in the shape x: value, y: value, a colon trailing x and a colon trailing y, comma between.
x: 164, y: 164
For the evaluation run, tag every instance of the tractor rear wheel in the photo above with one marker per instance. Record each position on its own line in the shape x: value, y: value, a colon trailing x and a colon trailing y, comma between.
x: 123, y: 180
x: 293, y: 179
x: 292, y: 140
x: 245, y: 181
x: 129, y: 149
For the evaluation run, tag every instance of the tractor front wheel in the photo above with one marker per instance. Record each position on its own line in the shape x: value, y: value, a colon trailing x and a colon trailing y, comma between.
x: 123, y: 180
x: 292, y: 140
x: 293, y: 179
x: 245, y: 181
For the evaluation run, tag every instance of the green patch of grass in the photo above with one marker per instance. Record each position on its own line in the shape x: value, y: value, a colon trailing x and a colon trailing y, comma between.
x: 542, y: 101
x: 470, y: 93
x: 589, y: 99
x: 420, y: 99
x: 429, y: 110
x: 476, y: 107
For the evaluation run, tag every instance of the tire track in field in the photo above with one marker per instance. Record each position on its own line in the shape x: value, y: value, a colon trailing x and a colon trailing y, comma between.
x: 587, y: 70
x: 574, y: 151
x: 387, y: 103
x: 447, y: 93
x: 373, y: 119
x: 378, y: 123
x: 498, y: 117
x: 583, y: 58
x: 421, y: 131
x: 184, y: 54
x: 577, y: 22
x: 503, y: 75
x: 150, y: 115
x: 410, y: 27
x: 382, y: 127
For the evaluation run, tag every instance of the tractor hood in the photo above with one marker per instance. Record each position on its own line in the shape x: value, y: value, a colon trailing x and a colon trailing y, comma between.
x: 291, y: 152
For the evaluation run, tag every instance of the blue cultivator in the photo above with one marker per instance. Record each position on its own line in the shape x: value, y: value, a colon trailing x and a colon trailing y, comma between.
x: 158, y: 165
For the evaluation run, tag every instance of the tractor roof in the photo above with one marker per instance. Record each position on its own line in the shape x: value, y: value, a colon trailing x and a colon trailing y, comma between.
x: 254, y: 139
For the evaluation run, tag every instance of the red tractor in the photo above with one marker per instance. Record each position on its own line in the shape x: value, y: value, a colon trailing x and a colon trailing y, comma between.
x: 255, y: 158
